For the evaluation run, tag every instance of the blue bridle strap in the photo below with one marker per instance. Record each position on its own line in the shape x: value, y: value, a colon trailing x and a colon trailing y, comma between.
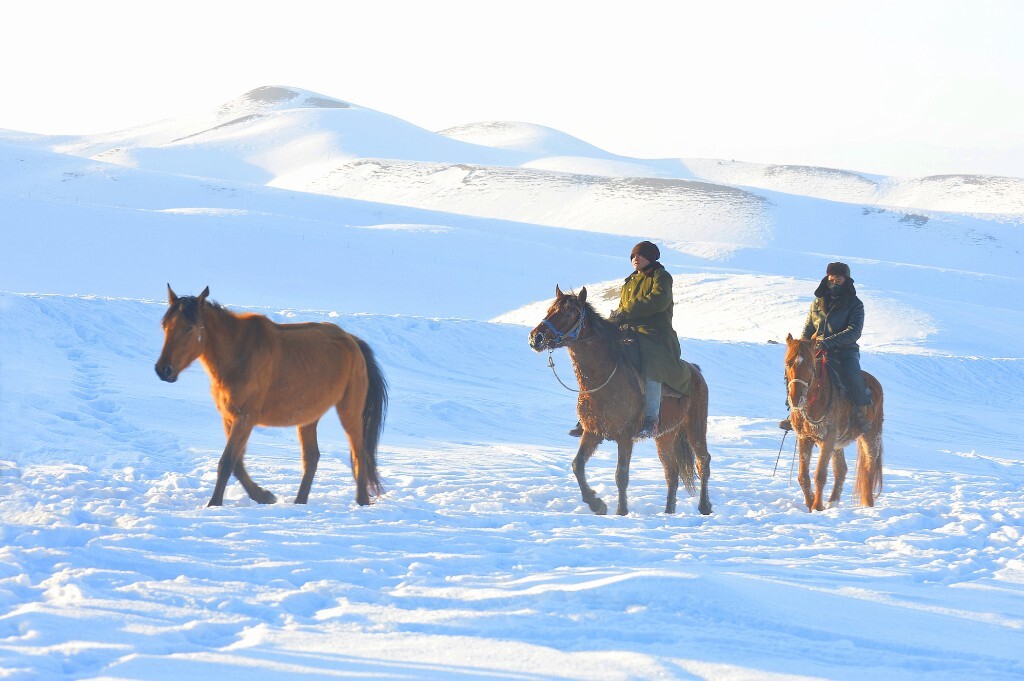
x: 573, y: 333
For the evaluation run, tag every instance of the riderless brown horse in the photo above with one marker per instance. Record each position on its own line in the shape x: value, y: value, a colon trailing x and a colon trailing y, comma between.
x: 268, y: 374
x: 611, y: 403
x: 822, y: 415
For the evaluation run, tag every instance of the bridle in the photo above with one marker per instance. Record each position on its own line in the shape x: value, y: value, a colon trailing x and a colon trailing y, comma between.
x: 570, y: 335
x: 567, y: 339
x: 806, y: 400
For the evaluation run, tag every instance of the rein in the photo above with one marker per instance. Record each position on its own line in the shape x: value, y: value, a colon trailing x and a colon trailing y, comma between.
x: 560, y: 341
x: 551, y: 363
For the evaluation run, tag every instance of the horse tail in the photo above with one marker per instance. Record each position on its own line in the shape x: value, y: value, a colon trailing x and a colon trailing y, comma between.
x: 696, y: 418
x: 374, y: 412
x: 687, y: 463
x: 869, y: 457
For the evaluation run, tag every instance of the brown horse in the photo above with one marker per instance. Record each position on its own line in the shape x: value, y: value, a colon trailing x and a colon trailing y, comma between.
x: 268, y: 374
x: 611, y: 403
x: 822, y: 415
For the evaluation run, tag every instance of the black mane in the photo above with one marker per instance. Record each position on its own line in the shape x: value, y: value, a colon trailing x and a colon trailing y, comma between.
x: 611, y: 335
x: 188, y: 306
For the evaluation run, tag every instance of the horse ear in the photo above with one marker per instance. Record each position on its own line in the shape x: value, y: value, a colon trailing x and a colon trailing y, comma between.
x: 172, y: 298
x: 582, y: 297
x: 789, y: 338
x: 206, y: 292
x: 558, y: 292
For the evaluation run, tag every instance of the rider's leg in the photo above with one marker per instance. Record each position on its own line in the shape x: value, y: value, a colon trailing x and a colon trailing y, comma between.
x: 652, y: 409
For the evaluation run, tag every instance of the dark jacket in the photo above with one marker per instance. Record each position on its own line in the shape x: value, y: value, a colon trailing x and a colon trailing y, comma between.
x: 645, y: 304
x: 836, y: 319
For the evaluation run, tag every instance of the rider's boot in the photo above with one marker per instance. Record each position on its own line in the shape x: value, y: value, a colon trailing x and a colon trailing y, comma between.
x: 649, y: 428
x: 860, y: 418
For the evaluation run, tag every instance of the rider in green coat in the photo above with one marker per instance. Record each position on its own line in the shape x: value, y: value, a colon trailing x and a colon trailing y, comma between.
x: 645, y: 305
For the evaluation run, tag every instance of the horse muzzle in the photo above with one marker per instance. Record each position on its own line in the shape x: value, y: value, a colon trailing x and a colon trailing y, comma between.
x: 166, y: 373
x: 538, y: 341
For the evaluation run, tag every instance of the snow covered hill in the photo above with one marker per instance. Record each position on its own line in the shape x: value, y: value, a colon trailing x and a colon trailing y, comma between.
x: 480, y: 560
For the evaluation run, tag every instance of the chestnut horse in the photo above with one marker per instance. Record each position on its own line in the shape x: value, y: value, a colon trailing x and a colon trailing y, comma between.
x: 268, y: 374
x: 611, y: 403
x: 822, y: 415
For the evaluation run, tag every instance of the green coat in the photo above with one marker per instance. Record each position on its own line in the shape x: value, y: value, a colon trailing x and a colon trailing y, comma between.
x: 645, y: 303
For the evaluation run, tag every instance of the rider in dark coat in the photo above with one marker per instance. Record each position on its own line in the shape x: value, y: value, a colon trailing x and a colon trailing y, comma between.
x: 836, y: 320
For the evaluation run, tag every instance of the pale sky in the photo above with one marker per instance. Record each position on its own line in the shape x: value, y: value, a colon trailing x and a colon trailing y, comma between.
x: 911, y: 87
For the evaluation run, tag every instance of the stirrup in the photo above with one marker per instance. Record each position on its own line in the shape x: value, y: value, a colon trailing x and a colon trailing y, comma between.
x: 577, y: 431
x: 786, y: 424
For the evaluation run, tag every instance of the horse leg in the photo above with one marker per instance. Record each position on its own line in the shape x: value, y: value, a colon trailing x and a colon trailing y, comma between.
x: 696, y: 437
x: 821, y: 472
x: 622, y: 473
x: 805, y: 447
x: 668, y: 446
x: 588, y: 443
x: 255, y: 492
x: 704, y: 471
x: 233, y: 452
x: 839, y: 469
x: 350, y: 411
x: 310, y: 459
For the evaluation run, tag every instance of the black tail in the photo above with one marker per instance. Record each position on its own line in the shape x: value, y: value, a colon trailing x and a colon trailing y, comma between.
x: 374, y: 413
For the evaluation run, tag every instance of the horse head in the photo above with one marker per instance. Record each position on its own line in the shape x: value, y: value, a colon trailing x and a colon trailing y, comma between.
x: 801, y: 373
x: 183, y: 334
x: 562, y: 323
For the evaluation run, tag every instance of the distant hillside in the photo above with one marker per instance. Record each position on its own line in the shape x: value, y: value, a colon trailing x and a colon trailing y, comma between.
x: 294, y: 138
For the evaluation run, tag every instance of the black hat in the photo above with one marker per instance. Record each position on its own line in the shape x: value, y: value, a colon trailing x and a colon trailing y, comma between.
x: 646, y: 249
x: 840, y: 269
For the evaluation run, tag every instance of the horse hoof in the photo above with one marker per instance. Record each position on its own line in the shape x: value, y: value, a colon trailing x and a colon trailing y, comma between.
x: 622, y: 510
x: 704, y: 510
x: 599, y: 507
x: 266, y: 498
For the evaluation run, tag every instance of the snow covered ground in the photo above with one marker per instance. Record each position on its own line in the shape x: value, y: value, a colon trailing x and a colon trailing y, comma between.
x: 480, y: 560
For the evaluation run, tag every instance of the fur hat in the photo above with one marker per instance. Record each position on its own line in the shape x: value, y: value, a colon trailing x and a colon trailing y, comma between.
x: 840, y: 269
x: 647, y: 250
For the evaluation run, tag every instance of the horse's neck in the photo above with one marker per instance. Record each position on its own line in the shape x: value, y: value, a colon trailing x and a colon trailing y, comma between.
x: 819, y: 390
x: 220, y: 328
x: 591, y: 359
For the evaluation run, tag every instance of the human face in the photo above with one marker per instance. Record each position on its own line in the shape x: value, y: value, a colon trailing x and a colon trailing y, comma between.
x: 640, y: 262
x: 836, y: 279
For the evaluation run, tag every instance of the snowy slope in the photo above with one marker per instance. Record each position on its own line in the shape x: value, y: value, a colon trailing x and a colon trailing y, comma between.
x: 480, y: 560
x: 273, y: 131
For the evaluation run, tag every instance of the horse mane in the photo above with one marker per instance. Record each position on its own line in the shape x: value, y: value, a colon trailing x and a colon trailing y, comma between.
x: 611, y: 335
x: 188, y: 306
